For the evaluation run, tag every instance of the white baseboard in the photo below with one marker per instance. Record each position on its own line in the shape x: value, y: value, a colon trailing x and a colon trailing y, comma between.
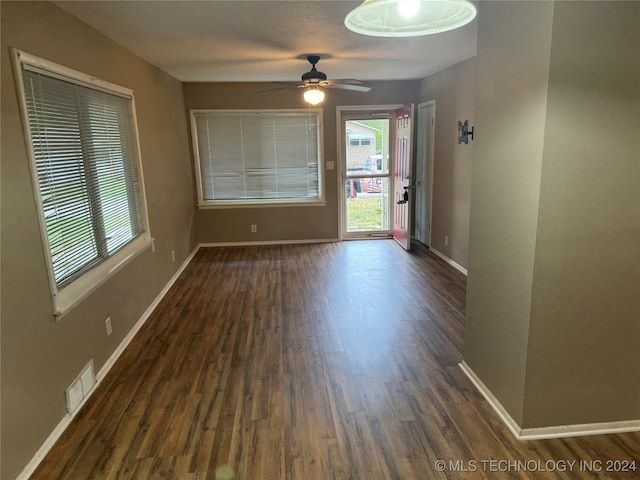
x: 581, y: 430
x: 66, y: 420
x: 268, y: 242
x: 493, y: 401
x: 545, y: 433
x: 50, y: 441
x: 141, y: 321
x: 455, y: 265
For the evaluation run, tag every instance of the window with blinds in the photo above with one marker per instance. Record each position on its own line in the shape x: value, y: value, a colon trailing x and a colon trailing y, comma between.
x: 86, y: 166
x: 257, y: 157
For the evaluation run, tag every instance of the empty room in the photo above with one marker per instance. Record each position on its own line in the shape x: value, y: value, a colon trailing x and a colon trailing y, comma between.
x: 381, y: 239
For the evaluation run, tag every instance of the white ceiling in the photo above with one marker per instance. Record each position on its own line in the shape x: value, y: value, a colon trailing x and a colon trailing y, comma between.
x: 265, y: 40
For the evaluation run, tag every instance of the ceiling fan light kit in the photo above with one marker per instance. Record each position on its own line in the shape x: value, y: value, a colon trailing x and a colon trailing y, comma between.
x: 314, y: 80
x: 409, y: 18
x: 313, y: 96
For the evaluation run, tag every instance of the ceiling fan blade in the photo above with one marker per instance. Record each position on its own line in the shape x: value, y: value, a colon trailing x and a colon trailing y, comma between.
x: 346, y: 86
x: 347, y: 80
x: 317, y: 79
x: 286, y: 85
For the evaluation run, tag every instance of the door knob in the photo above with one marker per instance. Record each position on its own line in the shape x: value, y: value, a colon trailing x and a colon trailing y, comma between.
x: 405, y: 196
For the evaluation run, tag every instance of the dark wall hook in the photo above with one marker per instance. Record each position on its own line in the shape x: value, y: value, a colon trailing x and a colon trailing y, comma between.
x: 464, y: 133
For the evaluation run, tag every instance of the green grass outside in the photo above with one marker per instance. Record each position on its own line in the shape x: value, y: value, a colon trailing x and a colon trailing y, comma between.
x: 364, y: 214
x: 112, y: 220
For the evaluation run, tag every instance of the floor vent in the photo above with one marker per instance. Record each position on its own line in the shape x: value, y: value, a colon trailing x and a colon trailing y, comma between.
x: 80, y: 387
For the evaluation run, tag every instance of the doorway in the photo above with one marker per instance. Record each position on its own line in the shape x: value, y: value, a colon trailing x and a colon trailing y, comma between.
x: 365, y: 135
x: 424, y: 172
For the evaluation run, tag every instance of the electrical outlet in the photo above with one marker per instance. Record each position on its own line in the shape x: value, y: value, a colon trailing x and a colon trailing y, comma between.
x: 107, y: 323
x: 446, y: 240
x: 254, y: 228
x: 173, y: 256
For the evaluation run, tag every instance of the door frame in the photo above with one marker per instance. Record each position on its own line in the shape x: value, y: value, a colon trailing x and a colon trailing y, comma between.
x: 403, y: 175
x: 341, y: 148
x: 426, y: 191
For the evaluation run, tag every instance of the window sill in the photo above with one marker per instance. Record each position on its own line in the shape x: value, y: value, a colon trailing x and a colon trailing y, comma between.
x: 223, y: 204
x: 74, y: 293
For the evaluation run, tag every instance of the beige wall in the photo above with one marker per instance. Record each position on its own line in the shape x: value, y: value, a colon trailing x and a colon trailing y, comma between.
x: 453, y: 90
x: 40, y: 357
x: 584, y: 359
x: 514, y: 39
x: 554, y: 260
x: 285, y: 223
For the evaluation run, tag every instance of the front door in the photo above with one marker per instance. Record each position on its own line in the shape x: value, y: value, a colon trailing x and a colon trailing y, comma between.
x: 402, y: 184
x: 366, y: 173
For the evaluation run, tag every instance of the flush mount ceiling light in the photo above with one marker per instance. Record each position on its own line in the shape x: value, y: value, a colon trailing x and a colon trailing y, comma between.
x: 409, y: 18
x: 314, y: 96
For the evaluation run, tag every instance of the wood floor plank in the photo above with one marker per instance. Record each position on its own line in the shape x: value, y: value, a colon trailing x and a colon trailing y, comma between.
x: 304, y: 362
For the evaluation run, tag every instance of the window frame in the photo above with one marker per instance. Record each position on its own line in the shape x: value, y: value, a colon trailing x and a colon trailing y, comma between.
x: 68, y: 295
x: 203, y: 203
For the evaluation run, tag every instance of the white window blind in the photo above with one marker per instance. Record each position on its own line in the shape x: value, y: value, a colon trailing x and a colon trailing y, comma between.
x: 85, y: 155
x: 257, y: 156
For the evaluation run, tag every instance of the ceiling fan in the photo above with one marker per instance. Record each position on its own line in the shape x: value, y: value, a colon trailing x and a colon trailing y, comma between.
x: 315, y: 79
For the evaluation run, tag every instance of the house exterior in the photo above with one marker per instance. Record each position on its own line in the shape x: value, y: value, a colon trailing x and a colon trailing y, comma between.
x: 547, y: 221
x: 361, y: 144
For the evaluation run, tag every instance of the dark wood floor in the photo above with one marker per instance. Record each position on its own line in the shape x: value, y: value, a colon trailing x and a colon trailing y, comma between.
x: 327, y: 361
